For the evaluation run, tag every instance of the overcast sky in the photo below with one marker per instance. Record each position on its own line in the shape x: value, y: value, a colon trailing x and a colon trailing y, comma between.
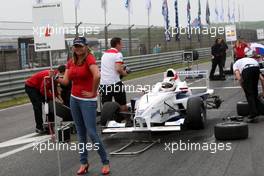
x: 91, y: 12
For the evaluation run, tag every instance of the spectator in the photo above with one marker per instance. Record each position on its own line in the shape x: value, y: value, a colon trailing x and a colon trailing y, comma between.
x: 85, y: 76
x: 142, y: 49
x: 239, y: 49
x: 225, y: 48
x: 218, y: 53
x: 157, y: 49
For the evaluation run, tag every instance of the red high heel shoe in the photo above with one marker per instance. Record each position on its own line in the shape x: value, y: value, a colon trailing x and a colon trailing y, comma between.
x: 83, y: 169
x: 105, y: 169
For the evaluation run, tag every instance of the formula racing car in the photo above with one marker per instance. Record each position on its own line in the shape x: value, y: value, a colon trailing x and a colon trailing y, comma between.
x: 167, y: 107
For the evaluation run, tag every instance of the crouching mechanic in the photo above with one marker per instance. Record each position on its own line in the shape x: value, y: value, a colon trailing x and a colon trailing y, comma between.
x: 34, y: 87
x: 247, y: 72
x: 112, y: 68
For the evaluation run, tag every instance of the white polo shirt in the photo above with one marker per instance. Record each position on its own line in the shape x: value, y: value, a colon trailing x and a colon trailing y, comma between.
x: 243, y: 63
x: 109, y: 75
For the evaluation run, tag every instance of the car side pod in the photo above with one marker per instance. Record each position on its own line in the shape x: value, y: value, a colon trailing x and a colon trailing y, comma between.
x: 231, y: 130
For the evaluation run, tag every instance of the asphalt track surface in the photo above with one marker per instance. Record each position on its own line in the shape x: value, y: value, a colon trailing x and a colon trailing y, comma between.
x: 243, y: 157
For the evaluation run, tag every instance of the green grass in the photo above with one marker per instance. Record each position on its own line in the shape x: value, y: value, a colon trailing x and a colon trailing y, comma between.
x: 14, y: 102
x: 24, y: 99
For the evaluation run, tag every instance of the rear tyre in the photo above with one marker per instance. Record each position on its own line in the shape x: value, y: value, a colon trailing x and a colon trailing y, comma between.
x: 242, y: 108
x: 110, y: 111
x: 231, y: 130
x: 195, y: 114
x: 260, y: 105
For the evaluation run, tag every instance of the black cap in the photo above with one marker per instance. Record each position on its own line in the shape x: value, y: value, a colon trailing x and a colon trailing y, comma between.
x: 80, y: 41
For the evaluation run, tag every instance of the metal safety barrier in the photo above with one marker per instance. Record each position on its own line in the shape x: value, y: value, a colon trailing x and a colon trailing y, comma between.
x: 12, y: 82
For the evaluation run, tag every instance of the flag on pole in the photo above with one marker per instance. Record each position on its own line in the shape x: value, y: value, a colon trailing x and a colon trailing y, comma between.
x: 199, y: 14
x: 199, y: 21
x: 127, y: 4
x: 148, y: 7
x: 39, y: 1
x: 165, y: 13
x: 148, y: 4
x: 233, y: 17
x: 216, y: 12
x: 195, y: 23
x: 177, y: 20
x: 222, y: 18
x: 104, y: 4
x: 239, y: 13
x: 189, y: 19
x: 77, y: 3
x: 207, y: 13
x: 228, y: 13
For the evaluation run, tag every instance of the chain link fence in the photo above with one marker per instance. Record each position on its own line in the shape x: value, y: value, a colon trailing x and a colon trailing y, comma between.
x: 17, y: 50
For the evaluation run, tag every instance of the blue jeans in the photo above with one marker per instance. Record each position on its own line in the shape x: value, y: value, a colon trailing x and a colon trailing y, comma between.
x: 84, y: 116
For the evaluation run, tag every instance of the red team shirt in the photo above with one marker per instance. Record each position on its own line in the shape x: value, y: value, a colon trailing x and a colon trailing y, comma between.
x: 81, y: 76
x: 240, y: 50
x: 37, y: 81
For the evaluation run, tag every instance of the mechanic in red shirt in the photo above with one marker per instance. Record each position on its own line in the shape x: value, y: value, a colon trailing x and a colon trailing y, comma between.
x: 84, y: 74
x: 34, y: 87
x: 239, y: 49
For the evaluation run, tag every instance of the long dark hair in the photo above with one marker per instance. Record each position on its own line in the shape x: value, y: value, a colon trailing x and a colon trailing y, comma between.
x: 216, y: 40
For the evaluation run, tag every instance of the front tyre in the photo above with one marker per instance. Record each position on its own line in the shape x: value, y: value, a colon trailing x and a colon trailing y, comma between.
x: 195, y: 114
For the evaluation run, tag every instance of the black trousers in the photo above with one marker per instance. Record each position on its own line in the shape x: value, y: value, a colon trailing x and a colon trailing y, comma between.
x: 36, y: 100
x: 114, y: 90
x: 217, y: 62
x: 250, y: 77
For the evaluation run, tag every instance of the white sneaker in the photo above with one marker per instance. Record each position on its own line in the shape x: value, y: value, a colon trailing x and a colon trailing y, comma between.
x: 114, y: 124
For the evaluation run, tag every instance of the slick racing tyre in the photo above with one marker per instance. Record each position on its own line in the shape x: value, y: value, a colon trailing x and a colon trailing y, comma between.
x: 110, y: 111
x: 195, y: 113
x: 231, y: 130
x: 242, y: 108
x: 260, y: 105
